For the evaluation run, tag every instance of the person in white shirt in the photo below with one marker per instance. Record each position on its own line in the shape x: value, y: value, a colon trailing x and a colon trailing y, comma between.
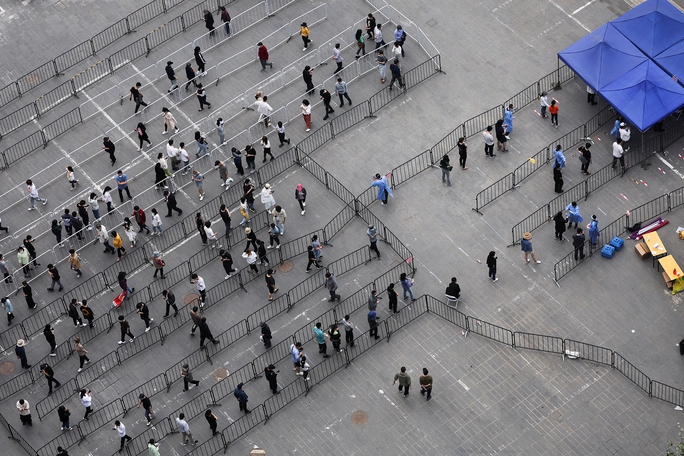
x: 544, y: 101
x: 156, y: 222
x: 618, y: 153
x: 267, y: 197
x: 211, y: 236
x: 87, y: 401
x: 625, y: 135
x: 396, y: 50
x: 489, y: 142
x: 121, y: 429
x: 201, y: 287
x: 185, y: 158
x: 33, y: 194
x: 172, y: 154
x: 251, y: 258
x: 264, y: 109
x: 184, y: 430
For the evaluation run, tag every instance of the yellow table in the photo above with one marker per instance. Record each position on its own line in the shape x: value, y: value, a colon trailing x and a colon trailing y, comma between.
x: 669, y: 265
x: 655, y: 245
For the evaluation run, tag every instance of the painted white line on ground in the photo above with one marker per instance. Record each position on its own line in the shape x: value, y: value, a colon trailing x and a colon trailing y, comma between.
x: 582, y: 7
x: 669, y: 165
x: 570, y: 16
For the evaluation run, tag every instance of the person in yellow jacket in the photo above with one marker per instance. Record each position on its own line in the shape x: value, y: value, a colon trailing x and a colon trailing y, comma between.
x: 118, y: 244
x: 304, y: 30
x: 75, y: 262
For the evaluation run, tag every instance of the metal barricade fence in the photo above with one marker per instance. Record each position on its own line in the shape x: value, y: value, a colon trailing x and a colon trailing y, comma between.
x: 24, y: 147
x: 18, y: 118
x: 530, y: 223
x: 650, y: 210
x: 446, y: 312
x: 676, y: 198
x: 64, y: 440
x: 110, y: 35
x: 274, y: 355
x: 490, y: 331
x: 241, y: 426
x: 531, y: 165
x: 34, y: 78
x: 273, y: 6
x: 63, y: 124
x: 561, y: 202
x: 567, y: 263
x: 138, y: 445
x: 15, y: 384
x: 589, y: 352
x: 146, y: 13
x: 358, y: 257
x: 630, y: 371
x: 58, y: 396
x: 55, y: 97
x: 494, y: 191
x: 76, y: 54
x: 239, y: 23
x: 667, y: 393
x: 128, y: 54
x: 478, y: 124
x: 165, y: 32
x: 335, y: 225
x: 412, y: 167
x: 306, y: 332
x: 538, y: 342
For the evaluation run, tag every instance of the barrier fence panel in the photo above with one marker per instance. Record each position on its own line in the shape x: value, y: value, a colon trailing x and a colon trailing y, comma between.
x: 309, y: 286
x: 336, y: 224
x: 316, y: 139
x: 299, y: 245
x: 64, y: 440
x: 384, y: 97
x: 193, y: 360
x: 75, y: 55
x: 327, y: 367
x: 146, y: 13
x: 357, y: 258
x: 478, y: 124
x: 448, y: 143
x: 55, y: 97
x: 526, y: 96
x: 24, y: 147
x: 241, y: 426
x: 274, y: 6
x: 392, y: 276
x: 213, y: 446
x: 95, y: 369
x: 530, y: 223
x: 538, y: 342
x: 648, y: 211
x: 349, y: 118
x: 424, y: 71
x: 63, y: 124
x: 288, y: 393
x: 528, y: 168
x: 604, y: 116
x: 109, y: 35
x: 58, y: 396
x: 338, y: 189
x: 305, y: 333
x: 36, y: 77
x: 676, y: 198
x: 240, y: 22
x: 447, y: 312
x: 102, y: 416
x: 16, y: 384
x: 138, y: 446
x: 150, y: 388
x: 667, y: 393
x: 363, y: 342
x: 224, y: 388
x: 36, y: 322
x: 16, y: 119
x: 490, y: 331
x: 10, y: 337
x: 406, y: 316
x: 589, y: 352
x: 494, y: 191
x: 356, y: 301
x: 575, y: 193
x: 568, y: 263
x: 273, y: 355
x: 274, y: 168
x: 270, y: 310
x: 614, y: 229
x: 413, y: 167
x: 630, y: 371
x: 128, y: 54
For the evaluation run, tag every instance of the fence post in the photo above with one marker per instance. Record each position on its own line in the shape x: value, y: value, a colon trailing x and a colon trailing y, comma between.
x: 161, y: 335
x: 370, y: 108
x: 54, y: 66
x: 298, y: 160
x: 147, y: 45
x: 387, y: 330
x: 35, y: 108
x: 118, y: 359
x: 289, y: 302
x: 332, y: 130
x: 586, y: 189
x: 427, y: 305
x: 206, y: 352
x: 92, y: 46
x: 327, y: 187
x: 254, y: 371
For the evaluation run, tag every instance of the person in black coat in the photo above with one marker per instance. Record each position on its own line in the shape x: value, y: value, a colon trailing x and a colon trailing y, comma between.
x: 20, y: 351
x: 171, y: 203
x: 454, y: 289
x: 326, y: 97
x: 558, y: 178
x: 212, y: 420
x: 205, y: 333
x: 559, y: 223
x: 160, y: 176
x: 77, y: 225
x: 491, y: 264
x: 578, y: 243
x: 28, y: 245
x: 49, y: 333
x: 28, y: 294
x: 209, y: 22
x: 272, y: 377
x: 73, y: 313
x: 242, y: 398
x: 266, y: 334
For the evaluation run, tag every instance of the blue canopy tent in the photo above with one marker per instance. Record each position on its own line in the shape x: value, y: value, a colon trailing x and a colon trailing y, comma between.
x: 645, y: 95
x: 672, y: 60
x: 653, y: 26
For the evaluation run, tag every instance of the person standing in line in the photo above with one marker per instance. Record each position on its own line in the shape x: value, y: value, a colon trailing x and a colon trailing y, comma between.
x: 75, y: 262
x: 559, y: 225
x: 171, y: 74
x: 118, y: 244
x: 20, y: 351
x: 169, y: 121
x: 262, y: 52
x: 341, y: 91
x: 295, y: 354
x: 87, y: 313
x: 591, y: 96
x: 557, y: 178
x: 262, y: 253
x: 158, y: 263
x: 184, y: 429
x: 625, y: 135
x: 24, y: 260
x: 304, y: 31
x: 109, y: 147
x: 66, y: 221
x: 227, y: 261
x: 544, y: 103
x: 317, y: 247
x: 171, y: 204
x: 196, y: 319
x: 170, y: 300
x: 123, y: 283
x: 491, y: 264
x: 201, y: 288
x: 382, y: 65
x: 553, y: 110
x: 279, y: 218
x: 573, y: 215
x: 384, y: 190
x: 212, y: 420
x: 202, y: 97
x: 578, y: 240
x: 24, y: 412
x: 28, y: 244
x: 270, y: 284
x: 425, y: 382
x: 618, y: 153
x: 251, y: 257
x: 266, y: 335
x: 87, y: 401
x: 489, y: 142
x: 335, y: 337
x: 393, y: 298
x: 404, y: 381
x: 312, y: 259
x: 377, y: 35
x: 251, y: 238
x: 250, y: 158
x: 373, y: 300
x: 82, y: 209
x: 307, y: 75
x: 122, y: 184
x: 130, y: 233
x: 9, y: 309
x: 5, y: 270
x: 94, y: 205
x: 266, y: 144
x: 144, y: 313
x: 281, y: 134
x: 407, y: 285
x: 331, y: 285
x: 320, y: 337
x: 77, y: 225
x: 267, y: 198
x: 64, y: 414
x: 103, y: 236
x: 221, y: 130
x: 49, y: 374
x: 305, y: 365
x: 272, y: 378
x: 186, y: 374
x: 199, y: 222
x: 54, y: 274
x: 223, y: 173
x: 172, y: 156
x: 585, y: 158
x: 225, y: 18
x: 373, y: 320
x: 594, y: 231
x: 559, y: 156
x: 508, y: 119
x: 454, y: 289
x: 395, y: 69
x: 326, y: 97
x: 526, y: 247
x: 360, y: 43
x: 274, y: 236
x: 185, y: 158
x: 141, y: 130
x: 153, y: 448
x: 137, y: 96
x: 370, y: 25
x: 373, y: 236
x: 396, y: 51
x: 156, y: 222
x: 208, y: 19
x: 348, y: 331
x: 337, y: 58
x: 616, y: 128
x: 241, y: 397
x: 190, y: 74
x: 147, y: 406
x: 33, y: 194
x: 125, y: 330
x: 306, y: 113
x: 462, y: 153
x: 501, y: 138
x: 49, y: 333
x: 205, y: 333
x: 446, y: 170
x: 198, y: 179
x: 201, y: 62
x: 82, y: 353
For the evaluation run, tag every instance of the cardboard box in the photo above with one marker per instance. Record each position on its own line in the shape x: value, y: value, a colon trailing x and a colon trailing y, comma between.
x: 642, y: 250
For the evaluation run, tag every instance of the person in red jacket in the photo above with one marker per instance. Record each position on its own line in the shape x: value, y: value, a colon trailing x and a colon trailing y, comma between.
x: 263, y: 56
x: 140, y: 218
